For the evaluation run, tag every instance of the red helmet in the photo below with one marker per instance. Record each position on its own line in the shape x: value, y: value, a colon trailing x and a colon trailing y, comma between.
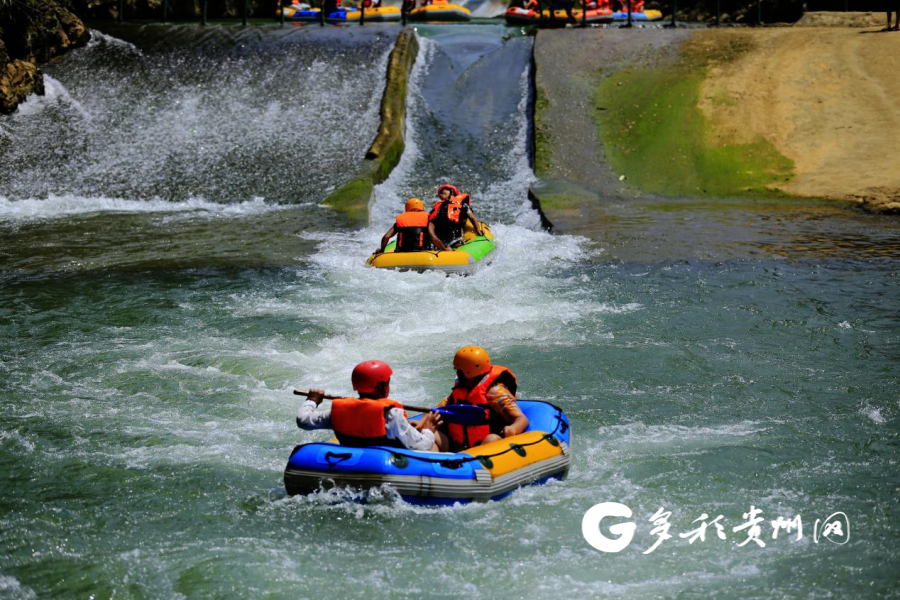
x: 367, y: 375
x: 447, y: 186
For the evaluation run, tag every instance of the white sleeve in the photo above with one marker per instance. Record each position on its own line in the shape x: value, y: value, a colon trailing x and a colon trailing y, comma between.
x: 398, y: 428
x: 309, y: 419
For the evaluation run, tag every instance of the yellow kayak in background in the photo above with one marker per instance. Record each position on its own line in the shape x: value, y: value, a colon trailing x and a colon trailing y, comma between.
x: 440, y: 11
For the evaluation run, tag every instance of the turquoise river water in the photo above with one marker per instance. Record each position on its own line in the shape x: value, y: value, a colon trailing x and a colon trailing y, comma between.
x: 168, y: 276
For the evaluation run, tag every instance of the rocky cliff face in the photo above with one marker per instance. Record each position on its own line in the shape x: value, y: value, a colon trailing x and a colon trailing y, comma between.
x: 31, y: 33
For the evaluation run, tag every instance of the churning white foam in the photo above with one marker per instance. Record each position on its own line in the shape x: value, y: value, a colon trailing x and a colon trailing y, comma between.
x: 873, y: 413
x: 98, y: 38
x: 67, y: 205
x: 55, y: 94
x: 10, y: 587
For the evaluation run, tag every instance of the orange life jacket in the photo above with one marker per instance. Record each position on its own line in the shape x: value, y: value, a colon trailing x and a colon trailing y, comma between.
x: 454, y: 209
x: 470, y: 436
x: 412, y: 229
x: 361, y: 422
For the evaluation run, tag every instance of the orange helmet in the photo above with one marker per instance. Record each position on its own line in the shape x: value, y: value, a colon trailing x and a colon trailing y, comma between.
x: 472, y: 361
x: 367, y: 375
x: 415, y: 204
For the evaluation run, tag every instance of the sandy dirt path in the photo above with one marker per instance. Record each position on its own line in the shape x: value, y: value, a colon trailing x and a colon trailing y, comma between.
x: 827, y: 98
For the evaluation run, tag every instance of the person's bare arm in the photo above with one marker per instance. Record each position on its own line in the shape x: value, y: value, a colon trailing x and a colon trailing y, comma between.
x: 434, y: 238
x: 504, y: 403
x: 517, y: 427
x: 478, y: 228
x: 386, y: 238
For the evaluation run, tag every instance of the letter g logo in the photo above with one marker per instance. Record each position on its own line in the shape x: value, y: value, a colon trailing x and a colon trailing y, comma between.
x: 590, y: 527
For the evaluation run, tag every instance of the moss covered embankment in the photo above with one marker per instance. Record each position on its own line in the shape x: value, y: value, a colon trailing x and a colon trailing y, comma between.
x: 618, y: 115
x: 570, y: 159
x: 352, y: 199
x: 657, y: 137
x: 783, y: 113
x: 32, y: 32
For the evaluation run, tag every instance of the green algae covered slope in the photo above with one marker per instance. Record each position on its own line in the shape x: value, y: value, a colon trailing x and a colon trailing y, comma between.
x: 656, y: 136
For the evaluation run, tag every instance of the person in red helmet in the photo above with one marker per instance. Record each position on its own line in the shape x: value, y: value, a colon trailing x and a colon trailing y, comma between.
x: 413, y: 230
x: 373, y: 419
x: 493, y: 387
x: 449, y: 214
x: 446, y: 191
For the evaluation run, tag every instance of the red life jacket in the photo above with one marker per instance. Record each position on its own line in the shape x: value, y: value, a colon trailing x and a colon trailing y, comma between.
x: 470, y: 436
x: 361, y: 422
x: 412, y: 229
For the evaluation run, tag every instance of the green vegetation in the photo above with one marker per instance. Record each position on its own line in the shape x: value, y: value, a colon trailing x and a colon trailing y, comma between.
x: 655, y: 134
x: 352, y: 199
x: 542, y: 144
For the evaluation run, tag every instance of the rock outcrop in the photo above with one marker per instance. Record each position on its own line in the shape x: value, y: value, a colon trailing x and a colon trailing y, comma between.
x: 30, y: 34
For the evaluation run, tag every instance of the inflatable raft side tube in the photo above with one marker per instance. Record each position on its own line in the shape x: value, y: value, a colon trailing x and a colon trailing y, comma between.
x: 482, y: 488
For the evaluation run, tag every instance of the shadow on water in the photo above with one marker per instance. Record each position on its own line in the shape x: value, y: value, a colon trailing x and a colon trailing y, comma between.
x: 166, y: 240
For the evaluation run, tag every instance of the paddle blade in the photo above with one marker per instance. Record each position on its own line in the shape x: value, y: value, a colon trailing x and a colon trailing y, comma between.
x: 463, y: 414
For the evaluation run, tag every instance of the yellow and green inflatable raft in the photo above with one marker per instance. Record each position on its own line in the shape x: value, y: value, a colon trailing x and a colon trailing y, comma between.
x: 474, y: 250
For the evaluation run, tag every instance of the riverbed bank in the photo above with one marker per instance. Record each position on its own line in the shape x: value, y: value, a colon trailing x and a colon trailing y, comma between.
x: 644, y: 113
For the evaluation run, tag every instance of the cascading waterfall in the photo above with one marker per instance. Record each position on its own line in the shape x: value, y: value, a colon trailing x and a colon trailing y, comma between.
x: 185, y: 121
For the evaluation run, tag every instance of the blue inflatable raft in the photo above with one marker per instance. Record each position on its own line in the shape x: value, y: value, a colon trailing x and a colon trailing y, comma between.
x: 487, y: 472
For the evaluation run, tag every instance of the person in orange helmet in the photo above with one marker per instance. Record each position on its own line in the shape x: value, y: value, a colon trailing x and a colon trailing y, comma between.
x: 413, y: 230
x: 373, y: 419
x: 480, y: 383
